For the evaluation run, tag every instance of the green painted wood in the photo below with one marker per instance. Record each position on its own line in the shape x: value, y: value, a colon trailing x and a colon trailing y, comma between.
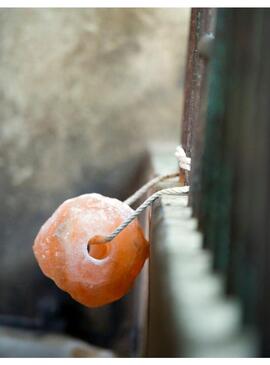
x: 215, y: 174
x: 234, y: 210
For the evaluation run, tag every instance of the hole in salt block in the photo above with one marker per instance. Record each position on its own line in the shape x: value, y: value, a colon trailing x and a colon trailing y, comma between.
x: 97, y: 251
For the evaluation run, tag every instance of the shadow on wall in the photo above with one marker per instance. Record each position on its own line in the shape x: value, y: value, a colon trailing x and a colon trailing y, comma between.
x: 82, y: 91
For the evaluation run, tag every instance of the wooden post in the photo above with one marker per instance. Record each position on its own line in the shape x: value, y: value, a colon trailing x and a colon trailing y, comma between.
x: 235, y: 166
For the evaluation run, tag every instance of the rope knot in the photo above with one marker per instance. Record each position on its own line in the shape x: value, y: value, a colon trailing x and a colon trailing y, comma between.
x: 184, y: 162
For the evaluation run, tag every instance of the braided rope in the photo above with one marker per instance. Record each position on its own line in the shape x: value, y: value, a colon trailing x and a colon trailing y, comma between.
x: 139, y: 193
x: 149, y: 201
x: 184, y: 163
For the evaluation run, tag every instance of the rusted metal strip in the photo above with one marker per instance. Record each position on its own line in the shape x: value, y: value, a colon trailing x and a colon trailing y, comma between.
x: 200, y: 35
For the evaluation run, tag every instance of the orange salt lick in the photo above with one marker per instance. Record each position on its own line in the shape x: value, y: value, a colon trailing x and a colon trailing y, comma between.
x: 107, y: 271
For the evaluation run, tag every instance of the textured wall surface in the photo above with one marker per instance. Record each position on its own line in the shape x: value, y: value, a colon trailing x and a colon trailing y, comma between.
x: 82, y: 92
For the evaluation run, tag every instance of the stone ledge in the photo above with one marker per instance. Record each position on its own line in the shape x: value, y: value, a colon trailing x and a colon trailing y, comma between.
x: 189, y: 314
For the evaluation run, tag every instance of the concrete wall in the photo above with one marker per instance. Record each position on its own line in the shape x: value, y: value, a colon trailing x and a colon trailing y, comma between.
x: 82, y: 92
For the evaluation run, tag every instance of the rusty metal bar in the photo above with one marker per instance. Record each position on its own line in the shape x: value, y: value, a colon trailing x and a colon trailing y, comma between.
x: 201, y: 26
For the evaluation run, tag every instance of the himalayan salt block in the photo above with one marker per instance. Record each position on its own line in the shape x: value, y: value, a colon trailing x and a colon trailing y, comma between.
x: 93, y: 274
